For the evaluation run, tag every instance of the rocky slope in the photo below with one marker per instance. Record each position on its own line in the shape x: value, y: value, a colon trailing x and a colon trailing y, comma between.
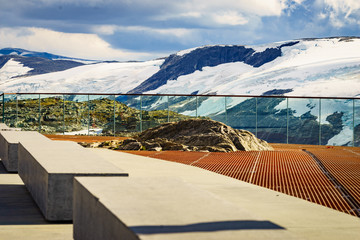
x: 192, y: 135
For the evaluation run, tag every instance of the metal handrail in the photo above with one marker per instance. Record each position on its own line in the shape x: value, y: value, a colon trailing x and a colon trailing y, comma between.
x: 183, y: 95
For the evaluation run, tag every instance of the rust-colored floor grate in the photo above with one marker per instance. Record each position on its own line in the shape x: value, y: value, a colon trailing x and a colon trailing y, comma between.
x: 344, y: 166
x: 287, y: 169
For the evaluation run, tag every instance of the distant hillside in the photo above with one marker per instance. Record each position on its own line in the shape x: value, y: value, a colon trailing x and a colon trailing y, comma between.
x: 38, y: 65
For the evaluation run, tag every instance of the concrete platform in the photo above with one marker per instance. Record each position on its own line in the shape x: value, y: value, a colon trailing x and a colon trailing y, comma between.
x: 160, y: 208
x: 20, y: 218
x: 4, y: 127
x: 9, y: 141
x: 299, y: 218
x: 48, y: 169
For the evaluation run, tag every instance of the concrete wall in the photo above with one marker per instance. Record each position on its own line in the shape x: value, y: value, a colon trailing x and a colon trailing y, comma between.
x: 48, y: 169
x: 9, y: 141
x: 93, y: 221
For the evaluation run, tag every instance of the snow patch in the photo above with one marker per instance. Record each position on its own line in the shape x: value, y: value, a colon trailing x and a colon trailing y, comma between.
x: 12, y: 69
x: 344, y: 138
x: 91, y: 131
x: 94, y: 78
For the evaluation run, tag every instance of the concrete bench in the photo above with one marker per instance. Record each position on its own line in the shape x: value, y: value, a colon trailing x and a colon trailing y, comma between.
x: 9, y: 141
x: 156, y: 208
x: 4, y: 127
x: 48, y: 169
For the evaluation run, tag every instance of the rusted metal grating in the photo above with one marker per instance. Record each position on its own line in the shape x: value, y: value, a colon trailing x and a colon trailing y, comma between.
x: 286, y: 170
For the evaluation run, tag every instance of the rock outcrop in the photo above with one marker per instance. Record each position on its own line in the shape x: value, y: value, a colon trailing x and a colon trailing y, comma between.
x: 194, y: 135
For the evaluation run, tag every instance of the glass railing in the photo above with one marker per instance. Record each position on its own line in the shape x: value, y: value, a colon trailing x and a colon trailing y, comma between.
x: 276, y: 119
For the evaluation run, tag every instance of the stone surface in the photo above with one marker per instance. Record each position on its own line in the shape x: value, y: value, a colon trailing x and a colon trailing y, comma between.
x: 202, y: 134
x: 4, y: 127
x: 48, y: 169
x: 190, y: 135
x: 160, y: 208
x: 20, y: 218
x: 9, y: 141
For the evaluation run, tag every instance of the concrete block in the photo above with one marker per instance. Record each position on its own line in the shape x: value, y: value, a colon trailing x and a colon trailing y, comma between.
x: 159, y: 208
x: 4, y: 127
x: 9, y: 141
x: 48, y: 170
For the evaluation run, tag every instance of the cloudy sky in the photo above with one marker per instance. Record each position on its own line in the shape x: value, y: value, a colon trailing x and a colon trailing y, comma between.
x: 147, y: 29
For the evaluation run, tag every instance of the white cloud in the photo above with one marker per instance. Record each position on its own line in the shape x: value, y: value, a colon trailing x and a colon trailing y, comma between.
x: 340, y: 12
x: 79, y: 45
x: 257, y: 7
x: 232, y: 18
x: 225, y: 12
x: 111, y: 29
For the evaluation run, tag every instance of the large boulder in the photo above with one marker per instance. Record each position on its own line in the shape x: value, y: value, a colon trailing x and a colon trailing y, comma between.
x: 203, y: 135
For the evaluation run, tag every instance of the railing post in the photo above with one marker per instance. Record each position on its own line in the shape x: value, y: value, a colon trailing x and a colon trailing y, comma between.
x: 226, y: 118
x: 319, y: 121
x: 353, y: 122
x: 168, y: 109
x: 287, y: 120
x: 17, y: 110
x: 114, y: 115
x: 39, y: 113
x: 256, y: 117
x: 63, y: 96
x: 88, y: 114
x: 197, y: 105
x: 3, y: 108
x: 141, y: 127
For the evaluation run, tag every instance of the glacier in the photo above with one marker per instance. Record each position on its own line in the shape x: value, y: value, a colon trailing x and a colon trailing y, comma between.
x: 327, y: 67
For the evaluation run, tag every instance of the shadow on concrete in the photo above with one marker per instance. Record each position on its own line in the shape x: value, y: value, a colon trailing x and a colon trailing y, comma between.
x: 2, y: 168
x: 207, y: 227
x: 17, y: 207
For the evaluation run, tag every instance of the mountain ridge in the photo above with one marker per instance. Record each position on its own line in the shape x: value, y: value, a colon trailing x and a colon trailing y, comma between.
x: 303, y: 67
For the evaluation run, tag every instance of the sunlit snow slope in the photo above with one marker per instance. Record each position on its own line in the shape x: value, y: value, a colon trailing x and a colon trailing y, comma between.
x: 322, y: 67
x: 311, y: 67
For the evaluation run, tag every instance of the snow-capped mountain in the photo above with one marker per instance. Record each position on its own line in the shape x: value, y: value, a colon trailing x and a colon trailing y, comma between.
x: 328, y: 67
x: 26, y: 53
x: 16, y: 62
x: 308, y: 67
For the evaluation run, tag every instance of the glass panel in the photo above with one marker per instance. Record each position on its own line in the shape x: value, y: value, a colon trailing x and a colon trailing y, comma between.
x: 357, y: 123
x: 336, y: 122
x: 272, y: 119
x: 240, y: 113
x: 304, y: 121
x: 28, y: 112
x: 182, y: 108
x: 127, y: 115
x: 10, y: 110
x: 52, y: 113
x: 154, y: 111
x: 101, y: 114
x: 76, y: 114
x: 1, y: 108
x: 212, y: 107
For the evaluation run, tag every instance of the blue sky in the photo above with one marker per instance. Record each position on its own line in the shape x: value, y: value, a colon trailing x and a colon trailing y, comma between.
x: 148, y: 29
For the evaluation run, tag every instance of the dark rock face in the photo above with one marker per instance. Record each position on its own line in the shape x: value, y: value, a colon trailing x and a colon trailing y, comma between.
x: 176, y: 65
x: 130, y: 144
x: 278, y: 92
x: 198, y: 135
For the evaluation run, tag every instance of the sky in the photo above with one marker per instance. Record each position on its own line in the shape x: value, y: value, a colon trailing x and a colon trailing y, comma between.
x: 147, y: 29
